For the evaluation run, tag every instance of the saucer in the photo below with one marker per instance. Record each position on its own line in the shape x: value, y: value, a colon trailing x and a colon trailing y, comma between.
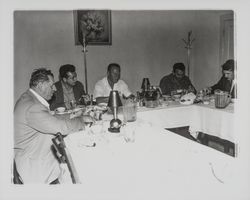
x: 77, y: 109
x: 63, y: 113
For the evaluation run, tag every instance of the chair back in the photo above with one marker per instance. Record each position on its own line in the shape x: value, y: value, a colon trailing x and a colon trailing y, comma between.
x: 64, y: 156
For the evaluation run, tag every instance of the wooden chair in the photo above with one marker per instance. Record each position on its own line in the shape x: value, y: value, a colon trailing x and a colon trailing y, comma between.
x: 227, y: 145
x: 61, y: 152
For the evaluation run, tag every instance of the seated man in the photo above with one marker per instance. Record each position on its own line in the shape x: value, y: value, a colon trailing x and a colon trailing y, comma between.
x: 35, y: 126
x: 68, y: 89
x: 111, y: 82
x: 227, y: 82
x: 176, y: 81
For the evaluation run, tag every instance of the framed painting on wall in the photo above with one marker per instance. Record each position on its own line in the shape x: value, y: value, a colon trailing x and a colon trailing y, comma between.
x: 92, y: 27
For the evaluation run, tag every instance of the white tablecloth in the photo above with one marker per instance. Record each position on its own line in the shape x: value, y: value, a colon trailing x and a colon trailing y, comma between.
x: 171, y: 116
x: 200, y: 118
x: 157, y: 165
x: 216, y: 122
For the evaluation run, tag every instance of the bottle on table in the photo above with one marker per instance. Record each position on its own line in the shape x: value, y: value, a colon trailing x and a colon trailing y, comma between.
x: 91, y: 99
x: 72, y: 104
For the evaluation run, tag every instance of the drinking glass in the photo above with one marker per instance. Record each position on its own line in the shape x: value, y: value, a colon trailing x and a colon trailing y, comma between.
x: 129, y: 132
x: 129, y: 112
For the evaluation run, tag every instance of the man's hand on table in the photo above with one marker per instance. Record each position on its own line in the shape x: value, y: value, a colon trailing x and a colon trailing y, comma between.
x: 75, y: 114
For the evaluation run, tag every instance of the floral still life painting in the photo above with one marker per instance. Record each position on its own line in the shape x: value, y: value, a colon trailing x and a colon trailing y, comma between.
x: 92, y: 27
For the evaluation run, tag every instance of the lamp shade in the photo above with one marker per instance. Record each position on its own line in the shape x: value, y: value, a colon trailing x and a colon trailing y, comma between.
x: 145, y: 84
x: 114, y: 99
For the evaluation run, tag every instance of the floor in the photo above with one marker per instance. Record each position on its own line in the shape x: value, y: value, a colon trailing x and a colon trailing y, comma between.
x: 208, y: 140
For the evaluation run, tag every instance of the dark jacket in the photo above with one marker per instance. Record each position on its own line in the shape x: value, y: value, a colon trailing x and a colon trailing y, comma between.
x: 225, y: 85
x: 170, y: 83
x: 58, y: 97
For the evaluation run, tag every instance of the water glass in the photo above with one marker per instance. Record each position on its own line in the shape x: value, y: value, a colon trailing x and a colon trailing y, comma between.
x: 129, y: 112
x: 98, y: 115
x: 129, y: 132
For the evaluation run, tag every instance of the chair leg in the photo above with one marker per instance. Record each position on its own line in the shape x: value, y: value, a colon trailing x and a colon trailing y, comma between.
x: 203, y: 138
x: 55, y: 182
x: 226, y: 148
x: 16, y: 177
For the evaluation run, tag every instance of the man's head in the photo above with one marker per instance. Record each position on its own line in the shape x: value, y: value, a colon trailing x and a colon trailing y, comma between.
x: 228, y: 69
x: 114, y: 73
x: 179, y: 70
x: 42, y: 81
x: 68, y: 74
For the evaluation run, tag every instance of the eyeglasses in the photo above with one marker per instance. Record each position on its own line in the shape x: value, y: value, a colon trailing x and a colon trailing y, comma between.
x: 72, y: 78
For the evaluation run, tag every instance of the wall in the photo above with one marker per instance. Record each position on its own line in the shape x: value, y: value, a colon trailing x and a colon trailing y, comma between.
x: 205, y: 61
x: 144, y: 43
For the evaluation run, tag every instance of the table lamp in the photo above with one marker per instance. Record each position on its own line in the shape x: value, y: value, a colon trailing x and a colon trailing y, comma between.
x: 114, y: 102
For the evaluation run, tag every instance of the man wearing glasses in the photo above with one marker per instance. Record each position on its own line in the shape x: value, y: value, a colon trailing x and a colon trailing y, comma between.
x: 69, y: 91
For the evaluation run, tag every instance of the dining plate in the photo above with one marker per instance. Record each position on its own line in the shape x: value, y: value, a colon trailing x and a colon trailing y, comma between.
x: 77, y: 109
x: 63, y: 113
x: 166, y: 96
x: 176, y: 96
x: 99, y: 107
x: 103, y: 104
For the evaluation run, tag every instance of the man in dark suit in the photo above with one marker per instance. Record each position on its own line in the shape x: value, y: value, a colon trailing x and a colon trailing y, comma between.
x: 68, y: 89
x: 35, y: 126
x: 227, y: 82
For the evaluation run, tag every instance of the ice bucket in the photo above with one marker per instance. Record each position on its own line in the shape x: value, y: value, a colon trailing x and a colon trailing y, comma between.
x: 222, y: 99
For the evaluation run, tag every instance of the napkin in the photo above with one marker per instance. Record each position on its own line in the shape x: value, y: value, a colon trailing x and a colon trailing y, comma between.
x: 81, y: 139
x: 188, y: 99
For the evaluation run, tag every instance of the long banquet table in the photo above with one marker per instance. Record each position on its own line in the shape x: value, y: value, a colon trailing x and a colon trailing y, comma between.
x: 156, y: 165
x: 216, y: 122
x: 199, y: 118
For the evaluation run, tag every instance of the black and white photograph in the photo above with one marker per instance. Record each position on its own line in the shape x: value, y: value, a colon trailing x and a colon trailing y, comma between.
x: 125, y: 102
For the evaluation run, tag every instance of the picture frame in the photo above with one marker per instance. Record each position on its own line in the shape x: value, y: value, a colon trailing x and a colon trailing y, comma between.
x: 92, y: 27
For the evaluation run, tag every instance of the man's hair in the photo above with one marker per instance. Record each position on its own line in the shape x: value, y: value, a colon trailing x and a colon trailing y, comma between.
x: 228, y: 65
x: 111, y: 65
x: 64, y: 69
x: 39, y: 75
x: 179, y: 66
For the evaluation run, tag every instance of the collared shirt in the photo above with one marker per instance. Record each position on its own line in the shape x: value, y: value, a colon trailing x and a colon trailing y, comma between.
x: 58, y: 99
x: 68, y: 96
x: 41, y: 99
x: 102, y: 88
x: 232, y: 86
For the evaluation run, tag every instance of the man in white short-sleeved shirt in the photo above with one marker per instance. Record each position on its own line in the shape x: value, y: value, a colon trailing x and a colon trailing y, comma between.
x: 111, y: 82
